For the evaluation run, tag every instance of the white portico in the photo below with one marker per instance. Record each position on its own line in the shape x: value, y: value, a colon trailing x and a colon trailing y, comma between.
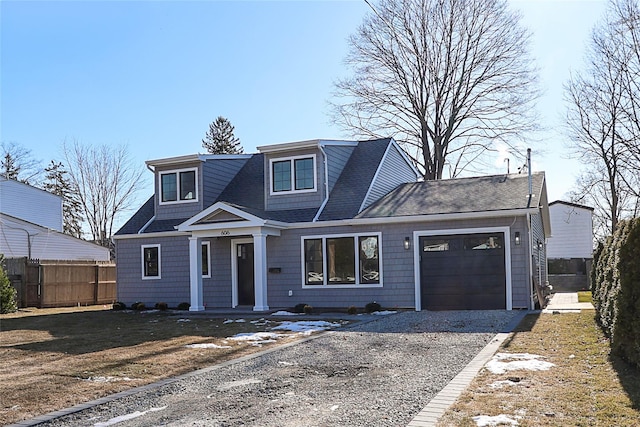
x: 248, y: 233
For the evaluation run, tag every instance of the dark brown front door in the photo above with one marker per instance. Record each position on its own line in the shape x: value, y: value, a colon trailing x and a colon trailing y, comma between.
x: 246, y: 294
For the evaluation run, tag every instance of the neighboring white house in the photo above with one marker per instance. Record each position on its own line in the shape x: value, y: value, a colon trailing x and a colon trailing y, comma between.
x: 570, y: 248
x: 31, y: 226
x: 572, y: 226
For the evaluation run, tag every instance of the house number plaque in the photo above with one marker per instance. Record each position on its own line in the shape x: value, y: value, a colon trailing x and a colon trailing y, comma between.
x: 225, y: 233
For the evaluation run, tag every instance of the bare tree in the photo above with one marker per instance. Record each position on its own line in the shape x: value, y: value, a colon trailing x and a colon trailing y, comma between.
x: 448, y: 79
x: 106, y: 181
x: 602, y: 104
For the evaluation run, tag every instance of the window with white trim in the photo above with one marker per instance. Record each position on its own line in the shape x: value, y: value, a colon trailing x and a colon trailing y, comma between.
x: 151, y: 262
x: 348, y: 260
x: 206, y: 260
x: 293, y: 174
x: 179, y: 186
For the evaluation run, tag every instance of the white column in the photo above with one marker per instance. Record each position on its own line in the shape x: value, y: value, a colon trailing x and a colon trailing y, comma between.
x: 195, y: 273
x: 260, y: 271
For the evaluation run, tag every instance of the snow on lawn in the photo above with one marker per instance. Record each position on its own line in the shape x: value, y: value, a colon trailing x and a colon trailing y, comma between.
x: 306, y: 327
x: 524, y: 361
x: 105, y: 379
x: 285, y: 313
x: 256, y: 338
x: 383, y: 313
x: 207, y: 345
x: 487, y: 421
x: 234, y: 321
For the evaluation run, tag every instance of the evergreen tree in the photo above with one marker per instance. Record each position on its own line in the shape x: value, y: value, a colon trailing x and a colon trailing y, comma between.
x: 10, y: 169
x: 220, y: 139
x: 58, y: 183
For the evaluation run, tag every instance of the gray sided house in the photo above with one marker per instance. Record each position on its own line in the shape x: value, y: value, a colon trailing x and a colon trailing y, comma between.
x: 332, y: 224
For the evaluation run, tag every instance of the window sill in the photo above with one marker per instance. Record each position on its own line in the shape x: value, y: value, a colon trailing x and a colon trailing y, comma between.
x: 343, y: 286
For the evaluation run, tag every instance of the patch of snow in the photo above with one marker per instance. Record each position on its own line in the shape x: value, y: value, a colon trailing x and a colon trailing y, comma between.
x: 106, y: 379
x: 523, y: 361
x: 334, y: 407
x: 487, y: 421
x: 127, y: 417
x: 183, y: 320
x: 383, y: 313
x: 232, y: 384
x: 500, y: 384
x: 285, y: 313
x: 207, y: 345
x: 306, y: 327
x: 255, y: 336
x: 234, y: 321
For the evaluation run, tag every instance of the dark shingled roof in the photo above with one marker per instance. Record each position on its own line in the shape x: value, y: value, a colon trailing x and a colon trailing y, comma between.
x: 354, y: 181
x: 159, y: 225
x: 463, y: 195
x: 139, y: 219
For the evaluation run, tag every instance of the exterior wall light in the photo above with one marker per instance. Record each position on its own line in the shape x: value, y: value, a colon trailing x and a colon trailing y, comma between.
x: 517, y: 238
x: 539, y: 245
x: 407, y: 243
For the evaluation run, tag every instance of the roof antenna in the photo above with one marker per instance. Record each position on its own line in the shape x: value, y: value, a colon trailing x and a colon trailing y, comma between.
x: 507, y: 160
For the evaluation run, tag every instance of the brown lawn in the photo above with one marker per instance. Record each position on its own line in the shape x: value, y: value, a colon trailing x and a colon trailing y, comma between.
x: 56, y: 358
x: 586, y: 387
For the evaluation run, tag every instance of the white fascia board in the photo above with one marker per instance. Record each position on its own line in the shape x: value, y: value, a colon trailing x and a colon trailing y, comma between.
x: 219, y: 206
x: 190, y: 158
x: 416, y: 218
x: 312, y: 143
x: 150, y: 235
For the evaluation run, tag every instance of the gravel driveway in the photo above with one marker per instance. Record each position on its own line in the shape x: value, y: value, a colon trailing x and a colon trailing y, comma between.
x: 379, y: 373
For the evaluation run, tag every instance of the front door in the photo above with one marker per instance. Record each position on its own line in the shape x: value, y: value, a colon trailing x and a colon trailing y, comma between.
x: 246, y: 291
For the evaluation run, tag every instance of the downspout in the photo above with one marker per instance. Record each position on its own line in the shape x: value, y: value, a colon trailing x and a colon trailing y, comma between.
x: 326, y: 183
x: 530, y: 177
x: 532, y: 303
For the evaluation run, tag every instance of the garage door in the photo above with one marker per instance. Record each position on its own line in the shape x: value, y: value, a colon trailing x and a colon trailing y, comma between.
x: 463, y: 272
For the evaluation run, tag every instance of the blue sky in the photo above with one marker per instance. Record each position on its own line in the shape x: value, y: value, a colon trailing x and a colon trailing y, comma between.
x: 154, y: 74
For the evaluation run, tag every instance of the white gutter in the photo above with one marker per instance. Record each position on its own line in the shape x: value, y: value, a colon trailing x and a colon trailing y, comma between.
x: 415, y: 218
x: 326, y: 183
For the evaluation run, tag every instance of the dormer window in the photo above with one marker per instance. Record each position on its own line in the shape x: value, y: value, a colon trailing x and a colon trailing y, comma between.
x: 293, y: 174
x: 178, y: 186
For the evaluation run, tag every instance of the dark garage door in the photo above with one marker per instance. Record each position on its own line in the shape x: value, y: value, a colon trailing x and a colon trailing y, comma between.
x: 463, y: 272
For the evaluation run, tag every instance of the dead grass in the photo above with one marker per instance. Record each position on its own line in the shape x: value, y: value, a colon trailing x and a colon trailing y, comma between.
x: 56, y: 358
x: 585, y: 296
x: 587, y: 387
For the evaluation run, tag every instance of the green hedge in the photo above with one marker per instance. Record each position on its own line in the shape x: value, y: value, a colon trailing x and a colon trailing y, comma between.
x: 616, y: 289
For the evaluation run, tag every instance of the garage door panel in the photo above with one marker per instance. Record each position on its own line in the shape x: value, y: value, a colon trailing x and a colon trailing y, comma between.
x: 463, y: 272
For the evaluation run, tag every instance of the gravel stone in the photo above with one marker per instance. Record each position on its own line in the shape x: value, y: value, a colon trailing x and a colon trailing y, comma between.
x: 376, y: 373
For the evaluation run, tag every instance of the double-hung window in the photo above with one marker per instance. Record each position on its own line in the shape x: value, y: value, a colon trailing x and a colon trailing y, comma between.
x: 293, y: 174
x: 342, y: 260
x: 178, y: 186
x: 151, y: 262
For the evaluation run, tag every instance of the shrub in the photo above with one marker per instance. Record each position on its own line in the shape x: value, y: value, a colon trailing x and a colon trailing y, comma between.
x: 372, y: 306
x: 616, y: 289
x: 162, y: 306
x: 184, y: 306
x: 308, y: 309
x: 299, y: 308
x: 119, y: 306
x: 8, y: 294
x: 138, y: 306
x: 352, y: 310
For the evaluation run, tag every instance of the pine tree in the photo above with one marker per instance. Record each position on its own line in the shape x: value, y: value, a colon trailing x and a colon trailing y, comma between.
x: 10, y: 169
x: 220, y: 139
x: 58, y: 183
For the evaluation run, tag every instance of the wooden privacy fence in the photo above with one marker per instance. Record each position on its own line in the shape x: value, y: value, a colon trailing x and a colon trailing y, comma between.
x: 62, y: 283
